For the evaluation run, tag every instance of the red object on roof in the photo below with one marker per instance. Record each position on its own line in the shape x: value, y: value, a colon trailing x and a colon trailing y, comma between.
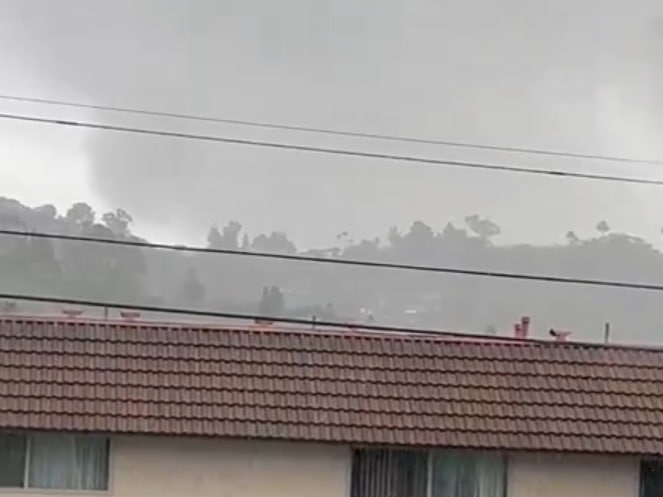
x: 348, y: 387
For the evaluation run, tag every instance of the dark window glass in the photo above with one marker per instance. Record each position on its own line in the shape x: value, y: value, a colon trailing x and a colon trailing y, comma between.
x: 389, y: 473
x: 651, y: 479
x: 12, y: 460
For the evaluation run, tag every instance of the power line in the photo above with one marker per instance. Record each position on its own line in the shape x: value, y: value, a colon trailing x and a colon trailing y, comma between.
x: 332, y: 151
x: 312, y: 323
x: 238, y: 316
x: 328, y: 131
x: 347, y: 262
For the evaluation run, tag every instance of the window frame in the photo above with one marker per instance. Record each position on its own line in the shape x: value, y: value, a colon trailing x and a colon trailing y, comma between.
x: 26, y: 488
x: 430, y: 454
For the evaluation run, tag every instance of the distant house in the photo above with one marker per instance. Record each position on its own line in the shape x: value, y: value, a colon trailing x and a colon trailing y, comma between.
x: 150, y: 410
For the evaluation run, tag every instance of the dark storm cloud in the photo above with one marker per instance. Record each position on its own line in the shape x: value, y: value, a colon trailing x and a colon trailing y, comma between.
x: 572, y: 75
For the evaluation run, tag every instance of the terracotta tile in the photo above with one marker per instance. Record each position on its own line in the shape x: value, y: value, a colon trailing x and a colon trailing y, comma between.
x: 329, y: 386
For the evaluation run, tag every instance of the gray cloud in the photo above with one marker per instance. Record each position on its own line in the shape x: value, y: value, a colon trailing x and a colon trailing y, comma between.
x: 562, y: 74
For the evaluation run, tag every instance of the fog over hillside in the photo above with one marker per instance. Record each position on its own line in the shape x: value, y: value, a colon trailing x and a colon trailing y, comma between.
x: 577, y: 76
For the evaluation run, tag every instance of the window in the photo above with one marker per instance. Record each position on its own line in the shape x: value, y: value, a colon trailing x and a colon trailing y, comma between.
x: 54, y: 461
x: 410, y: 473
x: 651, y: 478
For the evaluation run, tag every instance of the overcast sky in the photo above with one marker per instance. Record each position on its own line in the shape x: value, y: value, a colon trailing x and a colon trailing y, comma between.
x: 581, y: 75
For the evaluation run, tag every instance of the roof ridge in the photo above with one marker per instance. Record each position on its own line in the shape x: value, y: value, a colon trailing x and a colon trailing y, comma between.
x: 354, y: 330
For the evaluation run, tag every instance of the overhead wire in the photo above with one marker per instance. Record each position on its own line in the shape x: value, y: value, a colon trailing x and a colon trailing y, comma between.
x: 332, y: 151
x: 347, y: 262
x: 219, y: 314
x: 329, y: 131
x: 305, y: 258
x: 314, y: 324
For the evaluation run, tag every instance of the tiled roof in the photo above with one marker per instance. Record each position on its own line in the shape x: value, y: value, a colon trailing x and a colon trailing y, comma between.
x: 327, y: 386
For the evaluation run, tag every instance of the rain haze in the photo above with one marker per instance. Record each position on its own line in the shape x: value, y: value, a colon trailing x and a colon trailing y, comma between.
x: 386, y: 317
x: 578, y: 76
x: 582, y: 77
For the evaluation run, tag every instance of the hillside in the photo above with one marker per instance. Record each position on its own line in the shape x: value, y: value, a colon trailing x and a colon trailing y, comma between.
x: 233, y: 283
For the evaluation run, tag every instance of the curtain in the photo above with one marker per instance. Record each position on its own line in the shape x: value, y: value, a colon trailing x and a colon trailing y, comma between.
x: 389, y: 473
x: 73, y: 462
x: 456, y: 474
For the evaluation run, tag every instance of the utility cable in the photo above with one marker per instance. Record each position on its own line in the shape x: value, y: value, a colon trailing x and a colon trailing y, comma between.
x: 332, y: 151
x: 311, y: 323
x: 328, y: 131
x: 347, y: 262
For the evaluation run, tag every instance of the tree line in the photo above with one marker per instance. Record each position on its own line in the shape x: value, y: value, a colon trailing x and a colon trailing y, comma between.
x: 273, y: 287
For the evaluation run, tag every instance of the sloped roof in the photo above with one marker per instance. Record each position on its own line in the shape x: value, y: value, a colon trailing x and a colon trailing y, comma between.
x: 329, y: 386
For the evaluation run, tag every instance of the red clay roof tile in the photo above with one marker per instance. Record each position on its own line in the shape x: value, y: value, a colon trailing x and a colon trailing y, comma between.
x: 329, y: 387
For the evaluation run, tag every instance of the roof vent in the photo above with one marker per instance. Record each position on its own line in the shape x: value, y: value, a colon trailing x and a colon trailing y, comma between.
x: 521, y: 330
x: 72, y: 313
x: 130, y: 315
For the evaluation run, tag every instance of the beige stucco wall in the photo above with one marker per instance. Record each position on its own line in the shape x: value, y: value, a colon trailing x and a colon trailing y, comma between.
x: 179, y: 467
x: 172, y: 467
x: 536, y: 475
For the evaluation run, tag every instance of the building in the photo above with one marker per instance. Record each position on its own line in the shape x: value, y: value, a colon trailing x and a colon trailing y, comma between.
x: 151, y: 410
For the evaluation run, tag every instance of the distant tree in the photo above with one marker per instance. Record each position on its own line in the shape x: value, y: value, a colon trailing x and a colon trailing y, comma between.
x: 344, y: 238
x: 113, y: 273
x: 246, y: 243
x: 80, y: 215
x: 227, y: 238
x: 450, y: 232
x: 483, y: 228
x: 192, y: 292
x: 272, y: 302
x: 12, y: 221
x: 28, y: 265
x: 119, y: 222
x: 278, y: 301
x: 8, y: 307
x: 214, y: 239
x: 603, y: 227
x: 264, y: 304
x: 230, y: 234
x: 275, y: 242
x: 366, y: 249
x: 572, y: 238
x: 42, y: 263
x: 394, y: 236
x: 103, y: 271
x: 420, y: 234
x: 48, y: 211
